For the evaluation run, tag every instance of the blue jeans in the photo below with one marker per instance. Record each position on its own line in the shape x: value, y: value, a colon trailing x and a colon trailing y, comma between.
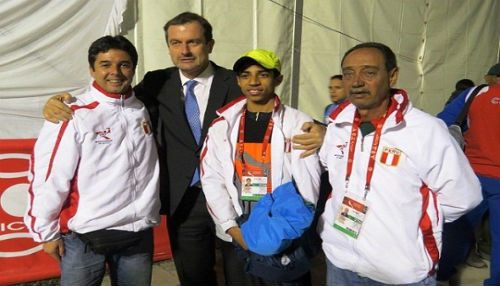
x: 80, y: 266
x: 340, y: 277
x: 491, y: 201
x: 458, y: 236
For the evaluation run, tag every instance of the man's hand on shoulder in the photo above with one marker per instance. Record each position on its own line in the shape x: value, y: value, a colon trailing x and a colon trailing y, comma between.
x: 310, y: 141
x: 55, y: 110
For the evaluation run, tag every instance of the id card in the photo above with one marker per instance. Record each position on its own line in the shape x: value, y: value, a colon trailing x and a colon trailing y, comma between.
x: 253, y: 185
x: 351, y: 215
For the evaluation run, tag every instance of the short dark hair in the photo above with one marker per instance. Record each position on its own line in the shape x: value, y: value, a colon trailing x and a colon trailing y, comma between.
x: 337, y: 76
x: 387, y: 53
x: 188, y: 17
x: 464, y: 84
x: 106, y: 43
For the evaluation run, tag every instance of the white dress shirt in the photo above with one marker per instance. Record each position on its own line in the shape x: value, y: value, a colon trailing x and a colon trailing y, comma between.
x: 201, y: 89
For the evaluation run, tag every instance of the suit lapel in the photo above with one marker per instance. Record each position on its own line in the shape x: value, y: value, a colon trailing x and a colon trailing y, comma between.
x: 171, y: 98
x: 216, y: 99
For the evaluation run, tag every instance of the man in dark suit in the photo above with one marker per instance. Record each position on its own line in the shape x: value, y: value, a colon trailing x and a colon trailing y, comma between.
x: 189, y: 40
x: 165, y: 94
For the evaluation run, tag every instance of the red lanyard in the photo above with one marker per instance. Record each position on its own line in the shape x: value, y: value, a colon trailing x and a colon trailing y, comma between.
x: 373, y: 152
x: 241, y: 138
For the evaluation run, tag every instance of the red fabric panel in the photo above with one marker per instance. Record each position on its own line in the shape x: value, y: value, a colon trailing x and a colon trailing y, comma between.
x: 21, y: 259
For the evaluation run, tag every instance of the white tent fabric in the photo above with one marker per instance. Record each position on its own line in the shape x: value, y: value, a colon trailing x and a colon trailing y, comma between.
x: 43, y: 51
x: 437, y: 42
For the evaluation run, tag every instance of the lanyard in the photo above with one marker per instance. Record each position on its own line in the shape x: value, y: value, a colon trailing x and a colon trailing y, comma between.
x: 241, y: 138
x: 373, y: 151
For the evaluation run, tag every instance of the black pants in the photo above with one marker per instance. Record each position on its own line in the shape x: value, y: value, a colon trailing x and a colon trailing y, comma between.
x: 235, y: 274
x: 192, y: 239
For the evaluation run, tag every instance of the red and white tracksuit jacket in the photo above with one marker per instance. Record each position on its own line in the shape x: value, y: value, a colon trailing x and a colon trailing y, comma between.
x: 97, y: 171
x: 218, y: 159
x: 429, y: 182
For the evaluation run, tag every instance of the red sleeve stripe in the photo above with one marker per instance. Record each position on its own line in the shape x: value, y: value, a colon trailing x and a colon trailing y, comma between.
x: 427, y: 231
x: 203, y: 153
x: 88, y: 106
x: 61, y: 133
x: 32, y: 197
x: 56, y: 147
x: 70, y: 206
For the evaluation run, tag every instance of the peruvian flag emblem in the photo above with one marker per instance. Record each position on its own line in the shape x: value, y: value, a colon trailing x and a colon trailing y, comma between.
x: 390, y: 156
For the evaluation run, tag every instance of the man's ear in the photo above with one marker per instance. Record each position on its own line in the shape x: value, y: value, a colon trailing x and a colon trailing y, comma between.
x: 393, y: 76
x: 210, y: 45
x: 91, y: 71
x: 278, y: 80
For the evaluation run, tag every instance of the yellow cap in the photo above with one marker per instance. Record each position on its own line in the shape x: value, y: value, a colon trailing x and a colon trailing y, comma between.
x: 266, y: 59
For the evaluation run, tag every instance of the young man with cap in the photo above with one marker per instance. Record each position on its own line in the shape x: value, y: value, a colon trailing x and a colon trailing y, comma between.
x: 251, y: 138
x: 482, y: 138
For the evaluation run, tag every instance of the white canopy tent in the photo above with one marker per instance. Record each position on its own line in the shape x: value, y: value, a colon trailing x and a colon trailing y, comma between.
x: 43, y: 44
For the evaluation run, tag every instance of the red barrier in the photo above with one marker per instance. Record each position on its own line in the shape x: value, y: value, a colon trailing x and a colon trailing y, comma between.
x: 21, y: 259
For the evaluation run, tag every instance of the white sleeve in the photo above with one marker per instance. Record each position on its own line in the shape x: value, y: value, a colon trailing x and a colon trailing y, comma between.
x: 53, y: 163
x: 306, y: 171
x: 215, y: 153
x: 445, y: 169
x: 323, y: 151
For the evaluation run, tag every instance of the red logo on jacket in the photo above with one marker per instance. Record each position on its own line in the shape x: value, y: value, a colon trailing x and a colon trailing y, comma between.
x: 102, y: 136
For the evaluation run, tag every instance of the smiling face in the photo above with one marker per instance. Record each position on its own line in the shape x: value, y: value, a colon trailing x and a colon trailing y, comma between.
x: 367, y: 81
x: 336, y: 90
x: 188, y: 48
x: 113, y: 71
x: 258, y: 84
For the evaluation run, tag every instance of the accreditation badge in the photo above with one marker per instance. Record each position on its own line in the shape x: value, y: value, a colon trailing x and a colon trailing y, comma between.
x: 351, y: 215
x: 253, y: 185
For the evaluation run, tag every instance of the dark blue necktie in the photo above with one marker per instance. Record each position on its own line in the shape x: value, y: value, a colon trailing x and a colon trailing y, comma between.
x: 193, y: 116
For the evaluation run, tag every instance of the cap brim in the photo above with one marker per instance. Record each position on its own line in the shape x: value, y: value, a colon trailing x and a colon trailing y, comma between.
x: 243, y: 63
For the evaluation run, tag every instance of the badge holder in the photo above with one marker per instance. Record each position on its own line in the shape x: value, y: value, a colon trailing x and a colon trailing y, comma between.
x: 253, y: 185
x: 351, y: 215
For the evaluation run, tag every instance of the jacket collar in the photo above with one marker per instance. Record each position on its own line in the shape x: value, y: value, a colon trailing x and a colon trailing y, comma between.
x: 112, y: 98
x: 233, y: 109
x: 400, y: 105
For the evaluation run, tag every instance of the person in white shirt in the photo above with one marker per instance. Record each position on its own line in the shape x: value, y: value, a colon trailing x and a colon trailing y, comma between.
x: 94, y: 193
x: 396, y: 170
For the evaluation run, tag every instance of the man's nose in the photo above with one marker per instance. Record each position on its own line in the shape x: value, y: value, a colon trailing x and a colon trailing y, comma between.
x: 185, y: 49
x: 358, y: 80
x: 115, y: 69
x: 254, y: 80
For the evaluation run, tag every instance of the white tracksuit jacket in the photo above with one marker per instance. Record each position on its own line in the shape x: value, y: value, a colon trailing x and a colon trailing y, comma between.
x: 97, y: 171
x: 432, y: 182
x: 218, y: 156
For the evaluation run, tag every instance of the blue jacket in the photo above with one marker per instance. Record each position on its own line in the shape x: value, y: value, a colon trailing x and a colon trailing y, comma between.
x: 451, y: 111
x: 277, y: 219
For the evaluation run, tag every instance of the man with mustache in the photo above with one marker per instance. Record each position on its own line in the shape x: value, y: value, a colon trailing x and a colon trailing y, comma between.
x: 167, y: 93
x: 400, y: 177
